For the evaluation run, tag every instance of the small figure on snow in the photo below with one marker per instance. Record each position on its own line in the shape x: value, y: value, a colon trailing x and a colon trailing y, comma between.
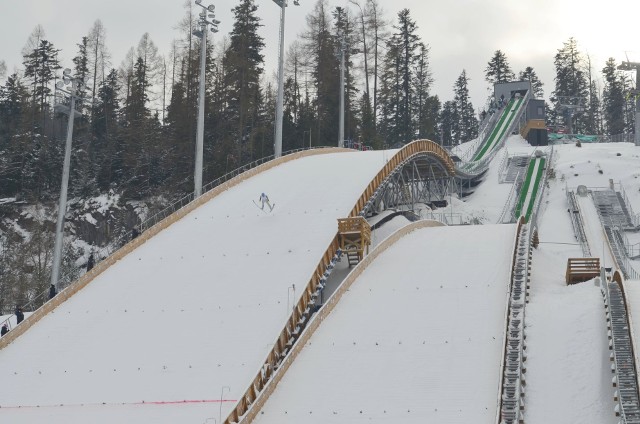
x: 52, y: 291
x: 19, y: 315
x: 4, y: 330
x: 90, y: 262
x: 265, y: 199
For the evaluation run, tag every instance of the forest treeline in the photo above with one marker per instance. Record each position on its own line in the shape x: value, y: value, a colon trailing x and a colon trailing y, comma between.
x: 134, y: 141
x: 136, y: 134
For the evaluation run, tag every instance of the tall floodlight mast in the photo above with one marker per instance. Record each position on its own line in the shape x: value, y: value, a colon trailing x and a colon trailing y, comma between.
x: 634, y: 66
x: 277, y: 148
x: 343, y: 46
x: 202, y: 34
x: 75, y: 86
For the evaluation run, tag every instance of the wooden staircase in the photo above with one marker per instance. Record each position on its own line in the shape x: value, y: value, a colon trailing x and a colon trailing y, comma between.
x: 354, y: 235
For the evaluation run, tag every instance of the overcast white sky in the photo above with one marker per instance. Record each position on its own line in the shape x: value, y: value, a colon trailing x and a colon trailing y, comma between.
x: 462, y: 34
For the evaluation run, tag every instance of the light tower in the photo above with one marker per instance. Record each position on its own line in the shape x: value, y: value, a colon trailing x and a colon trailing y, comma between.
x: 634, y: 66
x: 343, y: 47
x: 277, y: 148
x: 75, y: 86
x: 202, y: 34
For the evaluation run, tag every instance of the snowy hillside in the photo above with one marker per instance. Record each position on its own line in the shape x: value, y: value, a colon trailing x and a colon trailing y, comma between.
x: 176, y: 330
x: 398, y: 346
x: 192, y: 311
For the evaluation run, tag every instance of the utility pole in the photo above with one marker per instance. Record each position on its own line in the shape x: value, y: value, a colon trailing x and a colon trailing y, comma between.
x: 202, y: 34
x: 634, y: 66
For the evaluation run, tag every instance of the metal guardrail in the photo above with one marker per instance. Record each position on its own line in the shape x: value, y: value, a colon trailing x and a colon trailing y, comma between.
x: 578, y: 223
x: 620, y: 343
x: 512, y: 392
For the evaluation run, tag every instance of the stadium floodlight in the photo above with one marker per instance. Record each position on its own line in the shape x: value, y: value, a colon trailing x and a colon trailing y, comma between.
x: 202, y: 34
x: 280, y: 99
x: 76, y: 85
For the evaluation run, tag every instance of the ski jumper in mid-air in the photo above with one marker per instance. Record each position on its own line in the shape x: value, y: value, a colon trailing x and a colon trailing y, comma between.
x: 264, y: 199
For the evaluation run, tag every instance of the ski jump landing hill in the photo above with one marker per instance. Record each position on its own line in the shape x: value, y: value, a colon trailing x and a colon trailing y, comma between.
x: 177, y: 325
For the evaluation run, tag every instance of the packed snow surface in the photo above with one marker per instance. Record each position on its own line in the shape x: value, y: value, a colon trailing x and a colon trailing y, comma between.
x: 192, y: 313
x: 417, y: 338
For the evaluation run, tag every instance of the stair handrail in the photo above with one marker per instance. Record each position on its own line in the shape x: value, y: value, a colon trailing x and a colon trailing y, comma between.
x: 508, y: 205
x: 502, y: 169
x: 635, y: 218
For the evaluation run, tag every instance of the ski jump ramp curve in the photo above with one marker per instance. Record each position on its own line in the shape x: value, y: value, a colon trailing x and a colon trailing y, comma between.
x: 177, y: 324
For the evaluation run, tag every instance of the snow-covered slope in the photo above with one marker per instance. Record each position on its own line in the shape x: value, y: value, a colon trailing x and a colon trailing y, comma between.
x: 417, y: 338
x: 187, y: 319
x: 191, y: 312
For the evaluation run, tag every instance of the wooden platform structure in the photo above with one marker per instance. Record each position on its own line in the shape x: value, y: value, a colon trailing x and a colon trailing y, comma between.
x: 582, y: 269
x: 532, y: 124
x: 354, y: 236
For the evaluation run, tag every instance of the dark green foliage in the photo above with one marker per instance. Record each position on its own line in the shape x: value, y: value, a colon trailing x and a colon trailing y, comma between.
x: 465, y: 127
x: 613, y: 99
x: 571, y: 86
x: 498, y: 69
x: 536, y: 85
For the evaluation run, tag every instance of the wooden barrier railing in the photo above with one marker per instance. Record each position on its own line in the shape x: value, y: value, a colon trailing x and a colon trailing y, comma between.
x: 301, y: 313
x: 328, y: 307
x: 582, y: 269
x: 142, y: 238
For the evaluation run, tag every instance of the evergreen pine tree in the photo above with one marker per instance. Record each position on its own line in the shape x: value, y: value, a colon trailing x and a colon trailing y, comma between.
x: 105, y: 129
x: 320, y: 46
x: 14, y: 107
x: 466, y: 127
x: 426, y: 107
x: 448, y: 123
x: 243, y: 63
x: 571, y: 84
x: 536, y: 85
x: 408, y: 43
x: 613, y: 99
x: 389, y: 97
x: 498, y: 69
x: 41, y: 65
